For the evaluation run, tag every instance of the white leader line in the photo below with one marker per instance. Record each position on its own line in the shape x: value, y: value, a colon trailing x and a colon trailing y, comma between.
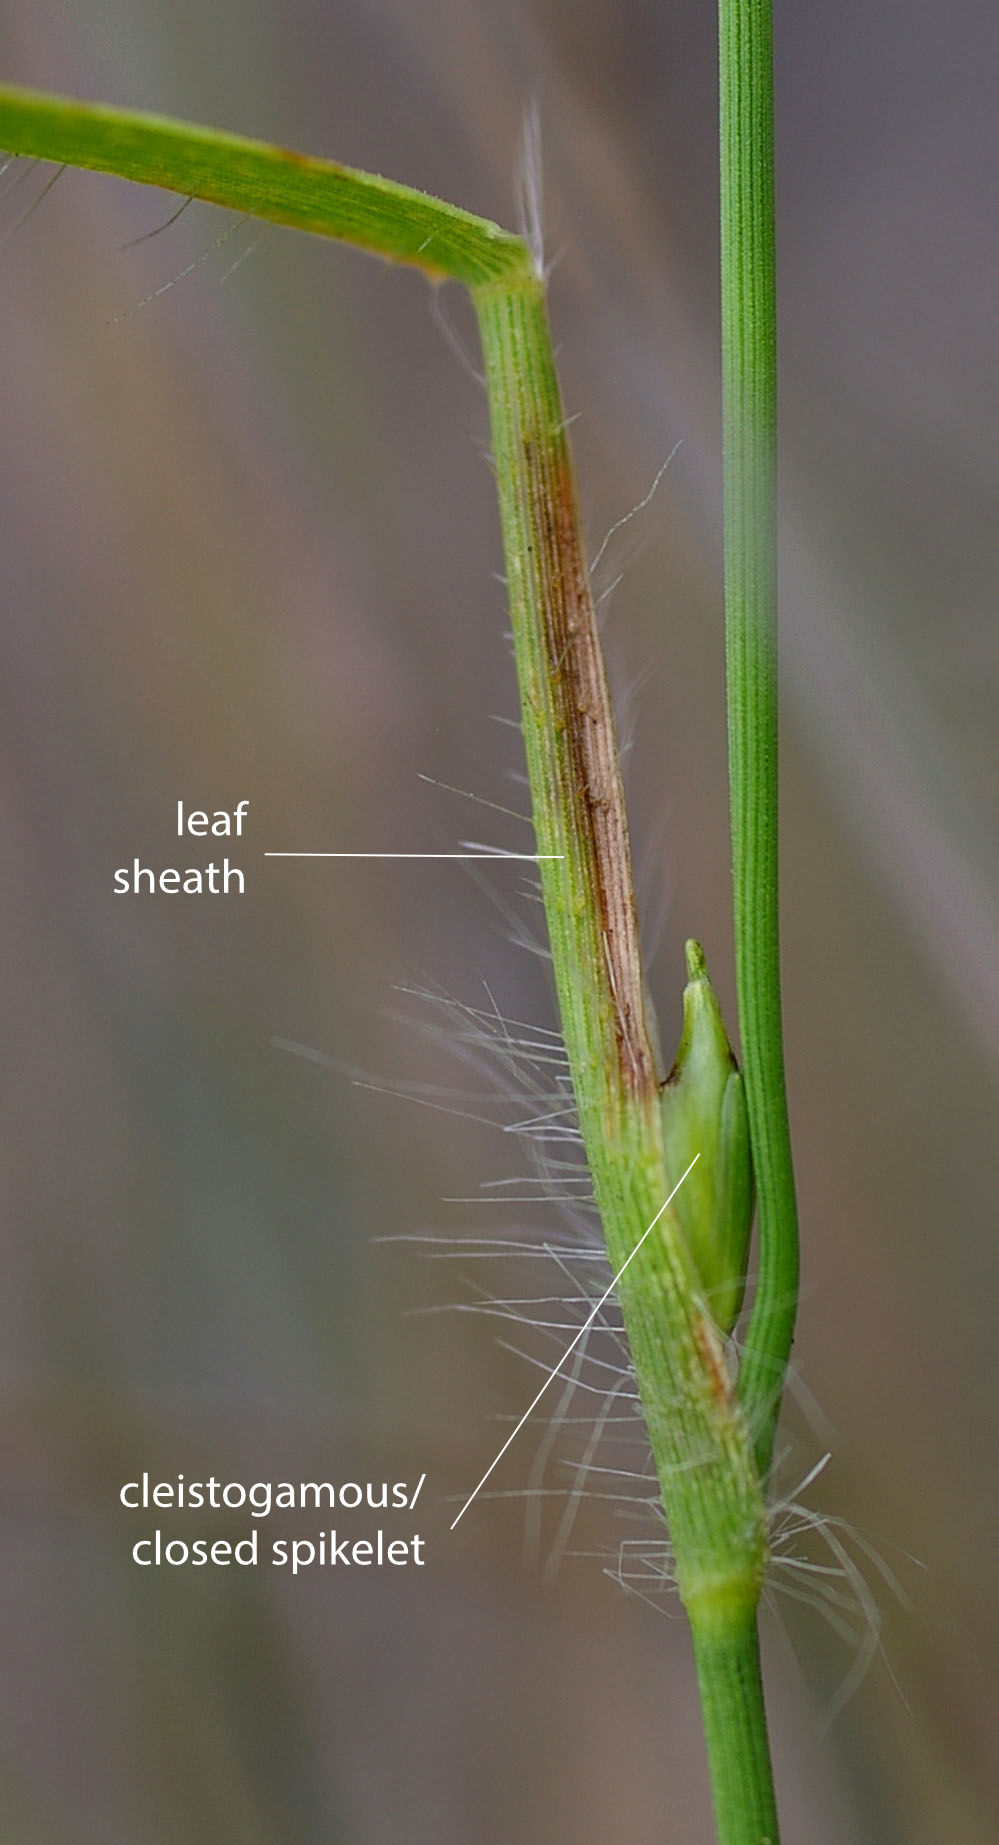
x: 535, y: 857
x: 584, y: 1329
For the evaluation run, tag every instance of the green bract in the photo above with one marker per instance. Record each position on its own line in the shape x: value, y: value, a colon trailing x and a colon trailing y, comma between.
x: 704, y: 1112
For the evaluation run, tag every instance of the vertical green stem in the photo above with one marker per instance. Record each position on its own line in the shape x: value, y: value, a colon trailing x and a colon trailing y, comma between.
x: 749, y: 389
x: 735, y: 1728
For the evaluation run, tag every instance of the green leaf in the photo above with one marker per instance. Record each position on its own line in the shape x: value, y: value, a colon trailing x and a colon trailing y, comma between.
x: 392, y: 221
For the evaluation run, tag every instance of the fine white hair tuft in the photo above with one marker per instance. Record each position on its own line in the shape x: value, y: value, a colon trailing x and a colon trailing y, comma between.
x: 530, y: 187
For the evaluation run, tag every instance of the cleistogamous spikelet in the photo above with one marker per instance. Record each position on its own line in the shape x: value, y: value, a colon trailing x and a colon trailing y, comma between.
x: 704, y: 1112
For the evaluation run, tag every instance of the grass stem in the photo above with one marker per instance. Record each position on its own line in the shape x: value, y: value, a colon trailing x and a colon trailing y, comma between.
x: 749, y: 403
x: 727, y: 1658
x: 701, y: 1426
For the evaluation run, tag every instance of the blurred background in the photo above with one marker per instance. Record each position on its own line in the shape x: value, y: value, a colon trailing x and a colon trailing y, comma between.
x: 250, y: 552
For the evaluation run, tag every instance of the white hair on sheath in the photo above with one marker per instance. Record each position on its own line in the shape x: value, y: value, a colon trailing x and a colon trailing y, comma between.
x: 530, y: 187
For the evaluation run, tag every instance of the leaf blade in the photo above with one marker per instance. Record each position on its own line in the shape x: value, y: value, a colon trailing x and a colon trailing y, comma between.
x: 398, y: 223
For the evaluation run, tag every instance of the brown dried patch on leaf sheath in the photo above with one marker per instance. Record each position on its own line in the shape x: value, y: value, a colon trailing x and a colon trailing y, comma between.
x: 713, y: 1361
x: 579, y: 685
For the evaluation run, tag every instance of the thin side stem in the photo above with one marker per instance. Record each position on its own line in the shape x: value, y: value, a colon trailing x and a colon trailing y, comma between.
x: 749, y: 390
